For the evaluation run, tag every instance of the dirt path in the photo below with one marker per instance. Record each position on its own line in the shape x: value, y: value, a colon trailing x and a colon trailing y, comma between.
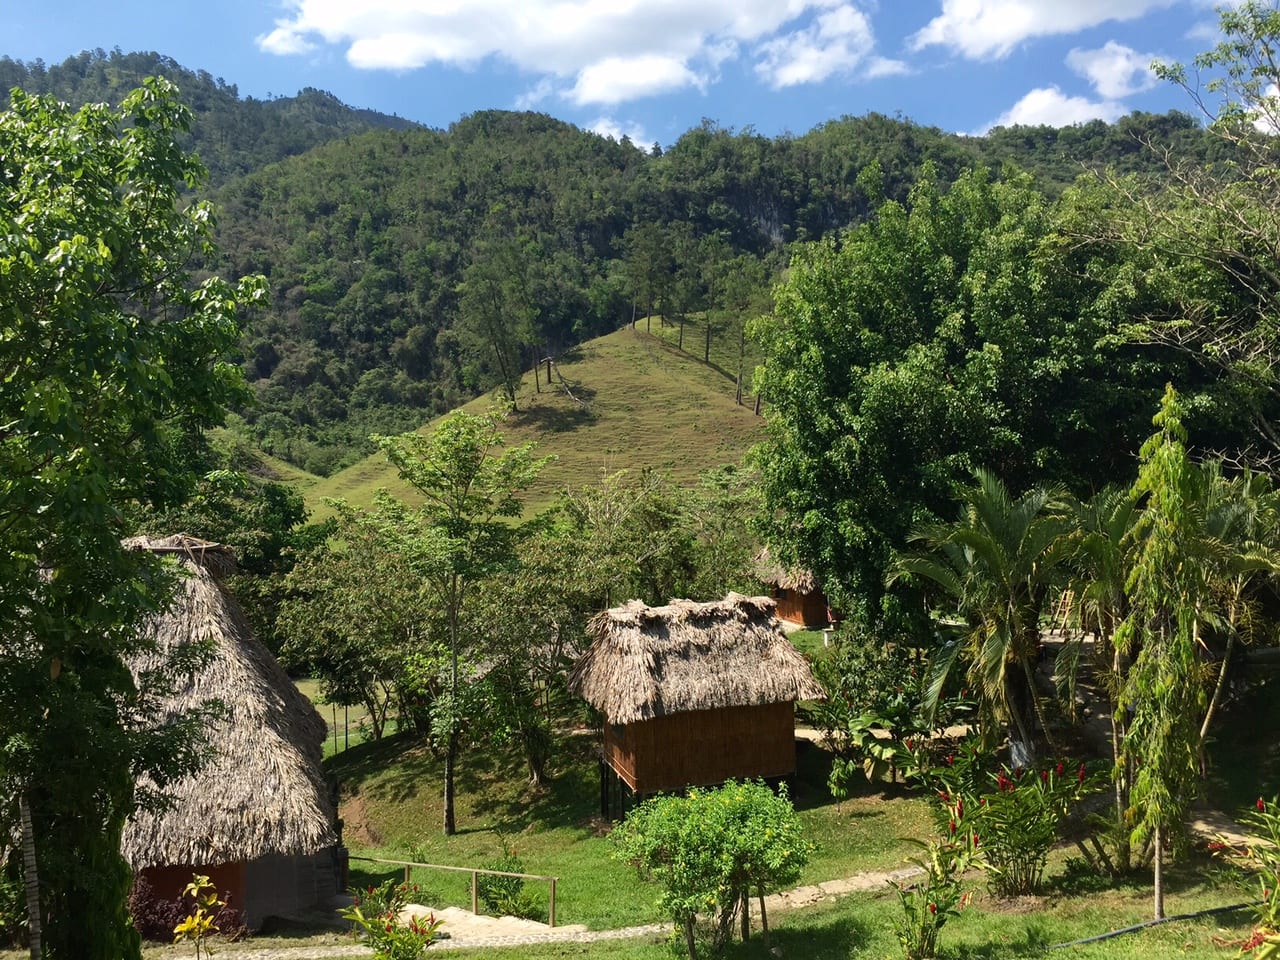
x: 469, y: 931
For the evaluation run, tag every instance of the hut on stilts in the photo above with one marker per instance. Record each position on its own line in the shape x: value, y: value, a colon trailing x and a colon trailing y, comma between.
x: 691, y: 694
x: 259, y: 819
x: 796, y: 592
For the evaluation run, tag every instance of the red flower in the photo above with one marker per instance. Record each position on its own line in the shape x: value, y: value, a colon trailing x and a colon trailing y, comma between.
x: 933, y: 908
x: 1080, y: 774
x: 960, y: 807
x: 953, y: 826
x: 1261, y: 806
x: 975, y: 839
x: 1058, y: 768
x: 951, y: 759
x: 1044, y: 776
x: 910, y: 746
x: 388, y: 928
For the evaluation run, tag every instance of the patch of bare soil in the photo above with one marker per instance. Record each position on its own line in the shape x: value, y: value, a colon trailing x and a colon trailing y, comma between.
x: 357, y: 831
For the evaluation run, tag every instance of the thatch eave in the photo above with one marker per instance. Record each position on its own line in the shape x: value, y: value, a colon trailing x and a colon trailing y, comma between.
x: 648, y: 662
x: 263, y: 791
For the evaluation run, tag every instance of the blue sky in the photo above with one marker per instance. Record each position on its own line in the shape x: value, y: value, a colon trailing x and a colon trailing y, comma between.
x: 652, y: 69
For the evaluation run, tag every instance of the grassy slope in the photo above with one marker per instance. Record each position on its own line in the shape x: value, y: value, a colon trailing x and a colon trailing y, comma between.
x: 646, y: 405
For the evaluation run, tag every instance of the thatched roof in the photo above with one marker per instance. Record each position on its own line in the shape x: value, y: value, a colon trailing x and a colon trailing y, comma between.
x: 264, y: 791
x: 653, y: 661
x: 769, y: 571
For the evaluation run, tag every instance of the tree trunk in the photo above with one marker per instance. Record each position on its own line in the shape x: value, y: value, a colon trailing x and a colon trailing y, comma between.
x: 688, y: 938
x: 742, y: 351
x: 764, y: 919
x: 1158, y: 867
x: 746, y: 915
x: 680, y: 337
x: 31, y: 876
x: 537, y: 365
x: 1218, y: 687
x: 706, y: 352
x: 451, y: 748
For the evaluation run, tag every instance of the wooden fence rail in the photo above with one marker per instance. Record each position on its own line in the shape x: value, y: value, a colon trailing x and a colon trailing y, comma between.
x: 475, y: 874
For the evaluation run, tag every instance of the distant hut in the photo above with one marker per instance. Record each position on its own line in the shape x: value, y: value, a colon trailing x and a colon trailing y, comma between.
x: 795, y: 590
x: 692, y: 694
x: 259, y: 819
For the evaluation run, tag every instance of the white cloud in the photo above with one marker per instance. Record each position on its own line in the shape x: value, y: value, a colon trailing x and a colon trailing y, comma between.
x: 834, y: 42
x: 616, y: 130
x: 618, y: 79
x: 981, y: 29
x: 601, y: 51
x: 1051, y: 107
x: 284, y: 41
x: 1115, y: 70
x: 883, y: 67
x: 535, y: 94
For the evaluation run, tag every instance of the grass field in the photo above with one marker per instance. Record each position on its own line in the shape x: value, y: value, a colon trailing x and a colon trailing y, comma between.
x: 644, y: 405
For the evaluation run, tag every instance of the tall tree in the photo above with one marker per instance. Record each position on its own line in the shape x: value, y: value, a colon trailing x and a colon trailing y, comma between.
x: 953, y: 332
x: 1169, y: 591
x: 466, y: 527
x: 110, y: 355
x: 498, y: 311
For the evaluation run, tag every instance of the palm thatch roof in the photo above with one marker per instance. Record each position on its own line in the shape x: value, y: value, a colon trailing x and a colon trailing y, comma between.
x: 263, y: 792
x: 650, y: 662
x: 772, y: 573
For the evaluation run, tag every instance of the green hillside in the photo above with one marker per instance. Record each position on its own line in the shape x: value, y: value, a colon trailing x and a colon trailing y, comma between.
x: 640, y: 404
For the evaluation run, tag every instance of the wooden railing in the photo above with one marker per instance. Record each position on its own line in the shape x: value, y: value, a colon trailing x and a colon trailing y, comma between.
x: 475, y: 874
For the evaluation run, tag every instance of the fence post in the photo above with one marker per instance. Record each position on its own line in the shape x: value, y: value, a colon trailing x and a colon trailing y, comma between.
x: 407, y: 868
x: 475, y: 900
x: 551, y: 911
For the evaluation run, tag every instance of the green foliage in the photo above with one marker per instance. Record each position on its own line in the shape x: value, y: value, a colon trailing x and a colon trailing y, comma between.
x: 954, y: 331
x: 386, y: 898
x: 995, y: 567
x: 1259, y: 863
x: 712, y: 849
x: 462, y: 535
x: 112, y: 356
x: 505, y: 896
x: 391, y: 938
x: 928, y: 904
x: 201, y: 923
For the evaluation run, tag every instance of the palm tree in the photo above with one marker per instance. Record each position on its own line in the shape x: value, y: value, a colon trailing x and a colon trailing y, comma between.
x: 997, y: 563
x: 1099, y: 569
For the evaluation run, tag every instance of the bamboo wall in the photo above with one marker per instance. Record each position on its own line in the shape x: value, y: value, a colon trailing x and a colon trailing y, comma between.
x: 806, y: 609
x: 703, y: 747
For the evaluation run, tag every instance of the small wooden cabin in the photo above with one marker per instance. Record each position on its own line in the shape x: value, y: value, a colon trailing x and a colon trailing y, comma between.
x: 259, y: 819
x: 796, y: 592
x: 693, y: 693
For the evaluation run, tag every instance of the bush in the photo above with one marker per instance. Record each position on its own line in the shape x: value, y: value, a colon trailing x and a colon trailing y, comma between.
x: 505, y: 896
x: 154, y: 917
x: 712, y: 849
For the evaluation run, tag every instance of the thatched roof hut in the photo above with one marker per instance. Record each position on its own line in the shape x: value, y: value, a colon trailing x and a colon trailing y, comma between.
x: 795, y: 590
x: 261, y: 805
x: 694, y: 693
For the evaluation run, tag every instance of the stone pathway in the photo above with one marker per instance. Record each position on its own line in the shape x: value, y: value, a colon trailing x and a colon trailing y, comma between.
x: 467, y: 930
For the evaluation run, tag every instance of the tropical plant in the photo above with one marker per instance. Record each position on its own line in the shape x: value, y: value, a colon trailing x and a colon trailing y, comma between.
x: 995, y: 566
x: 929, y: 903
x: 202, y: 922
x: 1259, y: 864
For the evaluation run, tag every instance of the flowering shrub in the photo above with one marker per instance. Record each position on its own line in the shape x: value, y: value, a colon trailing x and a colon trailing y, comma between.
x: 388, y: 897
x: 1013, y: 825
x: 391, y: 938
x: 928, y: 905
x: 1260, y: 863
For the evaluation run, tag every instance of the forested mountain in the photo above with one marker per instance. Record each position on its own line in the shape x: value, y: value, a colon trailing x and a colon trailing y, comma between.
x: 412, y: 268
x: 233, y: 134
